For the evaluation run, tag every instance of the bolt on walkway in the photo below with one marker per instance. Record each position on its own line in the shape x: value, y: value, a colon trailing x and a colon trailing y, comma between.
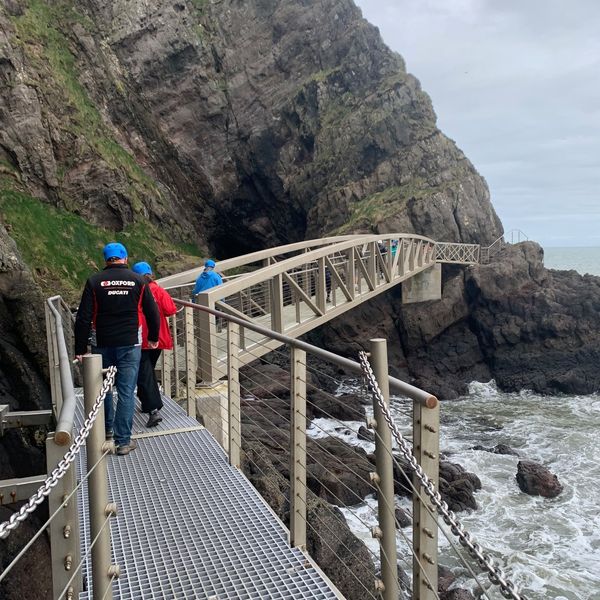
x: 191, y: 526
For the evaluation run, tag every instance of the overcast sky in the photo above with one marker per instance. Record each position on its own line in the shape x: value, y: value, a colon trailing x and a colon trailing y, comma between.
x: 516, y: 84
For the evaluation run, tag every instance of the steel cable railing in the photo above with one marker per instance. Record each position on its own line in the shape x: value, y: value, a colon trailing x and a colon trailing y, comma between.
x: 42, y: 529
x: 406, y: 479
x: 332, y: 494
x: 270, y: 408
x: 495, y: 573
x: 63, y: 466
x: 255, y: 380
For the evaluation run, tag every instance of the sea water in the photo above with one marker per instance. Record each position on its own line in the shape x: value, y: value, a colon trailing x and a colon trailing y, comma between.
x: 549, y: 547
x: 584, y: 260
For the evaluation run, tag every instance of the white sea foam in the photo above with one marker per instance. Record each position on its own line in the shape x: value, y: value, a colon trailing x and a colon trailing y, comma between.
x: 550, y: 547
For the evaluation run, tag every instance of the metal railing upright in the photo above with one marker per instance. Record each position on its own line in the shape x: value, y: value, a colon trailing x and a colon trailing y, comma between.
x: 251, y: 407
x: 268, y: 413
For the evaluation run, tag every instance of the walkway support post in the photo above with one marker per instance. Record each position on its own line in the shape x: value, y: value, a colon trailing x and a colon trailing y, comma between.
x: 426, y: 444
x: 64, y: 529
x: 233, y: 391
x: 298, y: 449
x: 100, y: 509
x: 207, y: 340
x: 190, y: 361
x: 385, y: 476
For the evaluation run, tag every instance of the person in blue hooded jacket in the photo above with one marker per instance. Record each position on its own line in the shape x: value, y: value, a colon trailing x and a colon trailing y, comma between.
x: 208, y: 278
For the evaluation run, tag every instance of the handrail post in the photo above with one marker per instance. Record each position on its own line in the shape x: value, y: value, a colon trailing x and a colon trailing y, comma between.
x: 167, y: 365
x: 426, y: 443
x: 99, y: 507
x: 372, y: 264
x: 190, y: 361
x: 176, y: 356
x: 65, y: 548
x: 320, y: 292
x: 53, y: 362
x: 385, y: 479
x: 277, y: 303
x: 298, y: 448
x: 207, y: 340
x: 233, y: 392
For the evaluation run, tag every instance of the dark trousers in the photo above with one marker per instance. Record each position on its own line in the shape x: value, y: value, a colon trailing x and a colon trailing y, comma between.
x: 147, y: 386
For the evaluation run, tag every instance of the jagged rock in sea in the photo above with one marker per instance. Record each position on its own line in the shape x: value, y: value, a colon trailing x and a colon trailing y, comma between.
x: 497, y: 449
x: 536, y: 480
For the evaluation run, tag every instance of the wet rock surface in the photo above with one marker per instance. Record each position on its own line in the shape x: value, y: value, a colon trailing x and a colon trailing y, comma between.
x: 497, y: 449
x: 536, y: 480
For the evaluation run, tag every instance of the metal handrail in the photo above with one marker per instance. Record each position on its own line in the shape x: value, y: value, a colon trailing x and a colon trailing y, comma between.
x: 406, y: 389
x: 64, y: 426
x: 252, y: 258
x: 266, y: 273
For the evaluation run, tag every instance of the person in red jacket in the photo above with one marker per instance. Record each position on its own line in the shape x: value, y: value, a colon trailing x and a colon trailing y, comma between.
x: 147, y: 386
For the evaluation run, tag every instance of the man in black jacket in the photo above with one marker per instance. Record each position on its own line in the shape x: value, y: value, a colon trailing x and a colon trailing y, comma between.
x: 109, y: 312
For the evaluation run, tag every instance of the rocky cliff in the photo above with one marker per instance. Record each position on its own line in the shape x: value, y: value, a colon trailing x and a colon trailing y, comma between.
x: 183, y: 126
x: 197, y: 123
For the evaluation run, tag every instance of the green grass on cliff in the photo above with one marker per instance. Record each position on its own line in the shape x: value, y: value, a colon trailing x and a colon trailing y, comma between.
x: 374, y: 209
x: 63, y: 249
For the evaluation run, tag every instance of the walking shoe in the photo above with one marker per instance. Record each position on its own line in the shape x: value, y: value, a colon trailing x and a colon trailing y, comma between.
x: 123, y: 450
x: 109, y: 434
x: 154, y: 418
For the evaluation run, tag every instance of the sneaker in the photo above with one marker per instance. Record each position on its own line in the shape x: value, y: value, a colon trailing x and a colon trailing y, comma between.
x: 154, y: 418
x: 109, y: 434
x: 123, y: 450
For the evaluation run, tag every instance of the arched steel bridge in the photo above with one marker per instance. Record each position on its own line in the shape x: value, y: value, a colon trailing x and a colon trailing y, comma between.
x: 295, y: 288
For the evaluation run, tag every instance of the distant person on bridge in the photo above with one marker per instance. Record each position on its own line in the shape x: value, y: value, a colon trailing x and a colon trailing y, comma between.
x: 209, y: 278
x: 110, y: 310
x: 147, y: 386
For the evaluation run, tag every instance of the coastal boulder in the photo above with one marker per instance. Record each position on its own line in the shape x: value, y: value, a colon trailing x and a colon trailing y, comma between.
x: 497, y: 449
x: 536, y: 480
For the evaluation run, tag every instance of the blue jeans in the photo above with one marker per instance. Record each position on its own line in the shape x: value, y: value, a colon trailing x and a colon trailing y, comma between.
x: 127, y: 361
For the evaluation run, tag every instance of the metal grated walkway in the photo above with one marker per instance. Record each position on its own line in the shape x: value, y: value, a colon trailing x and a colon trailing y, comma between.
x: 191, y: 526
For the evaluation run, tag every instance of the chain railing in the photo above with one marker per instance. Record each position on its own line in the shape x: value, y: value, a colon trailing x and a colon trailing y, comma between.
x: 63, y: 466
x: 495, y: 574
x: 91, y: 428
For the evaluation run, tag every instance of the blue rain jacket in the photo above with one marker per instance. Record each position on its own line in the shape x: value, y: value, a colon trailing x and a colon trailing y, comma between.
x: 206, y: 280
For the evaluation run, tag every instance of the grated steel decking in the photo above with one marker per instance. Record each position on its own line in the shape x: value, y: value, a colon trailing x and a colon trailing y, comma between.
x: 191, y: 526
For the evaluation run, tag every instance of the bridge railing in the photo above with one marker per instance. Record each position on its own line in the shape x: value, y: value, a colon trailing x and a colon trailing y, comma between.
x: 261, y: 414
x: 299, y: 293
x: 448, y: 252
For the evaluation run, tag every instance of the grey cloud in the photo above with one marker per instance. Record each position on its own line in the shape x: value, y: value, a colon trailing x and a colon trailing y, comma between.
x: 515, y: 85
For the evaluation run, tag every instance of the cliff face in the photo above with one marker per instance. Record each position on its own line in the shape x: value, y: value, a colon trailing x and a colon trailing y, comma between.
x: 234, y: 124
x: 243, y: 124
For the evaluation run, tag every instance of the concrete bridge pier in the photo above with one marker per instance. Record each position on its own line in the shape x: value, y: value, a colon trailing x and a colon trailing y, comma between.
x: 423, y: 286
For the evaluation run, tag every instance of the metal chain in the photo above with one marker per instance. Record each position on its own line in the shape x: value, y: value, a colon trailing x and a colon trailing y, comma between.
x: 63, y: 465
x: 495, y: 573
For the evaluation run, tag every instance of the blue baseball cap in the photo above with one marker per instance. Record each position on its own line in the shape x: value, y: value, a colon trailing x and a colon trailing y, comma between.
x: 210, y: 263
x: 142, y: 268
x: 114, y: 250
